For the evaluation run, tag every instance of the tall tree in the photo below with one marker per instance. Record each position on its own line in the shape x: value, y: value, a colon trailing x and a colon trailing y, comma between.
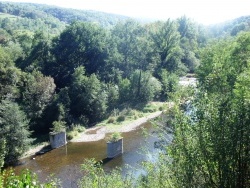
x: 133, y: 49
x: 10, y: 76
x: 211, y: 145
x: 37, y: 93
x: 167, y: 44
x: 81, y: 44
x: 13, y: 131
x: 188, y: 31
x: 88, y: 99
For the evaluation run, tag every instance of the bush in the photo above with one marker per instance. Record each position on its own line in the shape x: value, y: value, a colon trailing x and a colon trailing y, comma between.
x: 120, y: 118
x: 114, y: 137
x: 95, y: 176
x: 58, y: 126
x: 80, y: 128
x: 111, y: 120
x: 72, y: 134
x: 25, y: 179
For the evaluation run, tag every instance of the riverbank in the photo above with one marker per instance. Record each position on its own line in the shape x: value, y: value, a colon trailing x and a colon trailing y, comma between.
x: 33, y: 150
x: 99, y: 132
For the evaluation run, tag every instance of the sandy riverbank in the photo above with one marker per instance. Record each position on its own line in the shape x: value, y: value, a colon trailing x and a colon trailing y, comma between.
x: 99, y: 132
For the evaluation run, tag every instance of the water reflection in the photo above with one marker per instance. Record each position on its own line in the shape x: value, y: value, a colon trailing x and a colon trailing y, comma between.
x: 65, y: 162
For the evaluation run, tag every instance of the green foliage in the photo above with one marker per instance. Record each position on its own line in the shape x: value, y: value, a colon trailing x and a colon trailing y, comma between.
x: 2, y: 152
x: 157, y: 175
x: 10, y: 76
x: 130, y: 49
x: 8, y: 179
x: 50, y: 15
x: 72, y: 134
x: 169, y: 84
x: 37, y: 94
x: 166, y: 39
x: 112, y: 96
x: 124, y: 90
x: 120, y: 118
x: 91, y: 100
x: 188, y: 43
x: 13, y: 131
x: 114, y: 137
x: 111, y: 120
x: 81, y: 44
x: 230, y: 28
x: 211, y: 144
x: 74, y: 131
x: 97, y: 70
x: 79, y: 128
x: 58, y: 126
x: 96, y: 177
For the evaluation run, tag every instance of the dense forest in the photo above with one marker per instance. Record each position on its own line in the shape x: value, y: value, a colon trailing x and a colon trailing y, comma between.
x: 74, y: 68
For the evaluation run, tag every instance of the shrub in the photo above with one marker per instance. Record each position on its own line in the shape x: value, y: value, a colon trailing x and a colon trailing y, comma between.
x: 25, y: 179
x: 114, y: 137
x: 80, y: 128
x: 111, y: 120
x: 120, y: 118
x: 72, y: 134
x: 58, y: 126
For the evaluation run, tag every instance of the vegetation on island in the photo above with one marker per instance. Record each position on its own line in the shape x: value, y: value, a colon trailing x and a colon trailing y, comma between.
x: 64, y: 68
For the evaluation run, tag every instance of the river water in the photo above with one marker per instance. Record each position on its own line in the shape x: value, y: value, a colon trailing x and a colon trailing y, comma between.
x: 65, y: 162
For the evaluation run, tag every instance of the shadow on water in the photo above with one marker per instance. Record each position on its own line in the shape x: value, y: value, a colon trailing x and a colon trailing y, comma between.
x: 104, y: 161
x: 44, y: 150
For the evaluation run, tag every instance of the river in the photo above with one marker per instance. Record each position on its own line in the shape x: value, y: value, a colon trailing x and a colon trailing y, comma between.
x: 65, y: 162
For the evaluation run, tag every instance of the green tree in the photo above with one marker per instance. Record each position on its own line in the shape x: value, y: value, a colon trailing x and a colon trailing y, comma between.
x: 131, y: 49
x: 169, y: 83
x: 81, y: 44
x: 13, y: 131
x: 37, y: 94
x: 39, y: 56
x: 124, y: 90
x: 188, y: 43
x: 166, y: 40
x: 88, y: 99
x: 144, y: 87
x: 10, y: 77
x: 211, y: 146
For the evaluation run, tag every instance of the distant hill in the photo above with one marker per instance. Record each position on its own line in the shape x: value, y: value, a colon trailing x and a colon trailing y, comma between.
x: 54, y: 13
x: 231, y: 27
x: 53, y: 19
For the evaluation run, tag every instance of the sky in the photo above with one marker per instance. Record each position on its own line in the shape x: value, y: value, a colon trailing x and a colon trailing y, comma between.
x: 201, y: 11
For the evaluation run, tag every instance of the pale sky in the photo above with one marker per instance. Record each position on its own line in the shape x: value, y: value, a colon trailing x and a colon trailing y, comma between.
x: 201, y: 11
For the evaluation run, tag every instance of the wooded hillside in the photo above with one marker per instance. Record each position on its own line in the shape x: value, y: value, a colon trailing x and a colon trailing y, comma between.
x: 77, y: 68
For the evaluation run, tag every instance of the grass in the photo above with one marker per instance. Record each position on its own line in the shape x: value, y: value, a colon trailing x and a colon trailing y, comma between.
x: 77, y: 129
x: 128, y: 115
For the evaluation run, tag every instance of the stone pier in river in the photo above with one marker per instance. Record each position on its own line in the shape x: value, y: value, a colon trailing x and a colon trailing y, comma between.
x: 114, y: 149
x: 57, y: 139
